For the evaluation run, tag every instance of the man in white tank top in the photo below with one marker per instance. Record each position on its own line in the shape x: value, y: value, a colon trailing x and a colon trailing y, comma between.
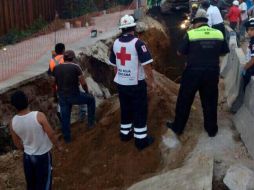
x: 132, y: 60
x: 32, y: 133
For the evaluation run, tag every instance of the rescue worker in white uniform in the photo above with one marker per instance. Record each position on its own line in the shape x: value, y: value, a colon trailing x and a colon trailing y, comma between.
x: 133, y: 61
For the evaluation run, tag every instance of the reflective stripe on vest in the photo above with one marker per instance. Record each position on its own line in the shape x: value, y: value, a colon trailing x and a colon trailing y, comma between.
x: 205, y: 33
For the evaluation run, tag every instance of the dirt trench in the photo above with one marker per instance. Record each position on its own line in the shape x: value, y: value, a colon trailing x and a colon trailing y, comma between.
x: 97, y: 159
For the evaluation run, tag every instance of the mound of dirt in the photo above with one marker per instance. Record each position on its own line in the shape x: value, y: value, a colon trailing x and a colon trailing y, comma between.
x: 98, y: 160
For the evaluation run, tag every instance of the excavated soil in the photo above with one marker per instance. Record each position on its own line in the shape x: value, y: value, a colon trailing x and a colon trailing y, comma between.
x: 98, y: 160
x: 165, y: 51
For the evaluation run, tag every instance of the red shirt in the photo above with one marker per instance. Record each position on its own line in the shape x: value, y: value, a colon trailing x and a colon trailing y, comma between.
x: 234, y: 14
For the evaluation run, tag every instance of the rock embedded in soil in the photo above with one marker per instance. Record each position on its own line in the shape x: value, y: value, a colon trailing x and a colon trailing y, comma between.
x: 239, y: 177
x: 197, y: 175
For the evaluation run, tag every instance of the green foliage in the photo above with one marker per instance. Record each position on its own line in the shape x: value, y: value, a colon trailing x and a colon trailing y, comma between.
x: 15, y: 35
x: 76, y: 8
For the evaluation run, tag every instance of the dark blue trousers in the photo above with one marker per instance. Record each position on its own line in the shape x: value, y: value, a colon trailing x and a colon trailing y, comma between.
x: 133, y: 104
x: 38, y: 171
x: 206, y: 82
x: 249, y: 73
x: 66, y: 103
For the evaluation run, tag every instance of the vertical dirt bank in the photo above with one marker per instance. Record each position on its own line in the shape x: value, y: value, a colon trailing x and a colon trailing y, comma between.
x: 39, y: 92
x: 169, y: 64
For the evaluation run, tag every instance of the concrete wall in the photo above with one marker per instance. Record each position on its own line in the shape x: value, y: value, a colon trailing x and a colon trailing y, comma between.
x: 241, y: 103
x: 244, y: 118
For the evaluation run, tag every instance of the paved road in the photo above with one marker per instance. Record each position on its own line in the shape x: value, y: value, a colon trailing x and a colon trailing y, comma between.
x: 32, y: 56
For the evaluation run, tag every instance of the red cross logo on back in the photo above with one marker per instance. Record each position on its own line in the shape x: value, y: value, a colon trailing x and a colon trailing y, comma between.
x: 123, y: 56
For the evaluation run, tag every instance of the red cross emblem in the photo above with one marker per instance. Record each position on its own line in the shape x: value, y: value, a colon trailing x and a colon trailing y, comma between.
x: 123, y: 56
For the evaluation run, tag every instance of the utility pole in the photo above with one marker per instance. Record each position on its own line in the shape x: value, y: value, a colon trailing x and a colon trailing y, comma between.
x: 138, y: 3
x: 138, y: 12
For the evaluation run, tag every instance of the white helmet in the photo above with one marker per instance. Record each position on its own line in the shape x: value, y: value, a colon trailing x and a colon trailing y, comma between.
x: 236, y: 3
x: 127, y: 21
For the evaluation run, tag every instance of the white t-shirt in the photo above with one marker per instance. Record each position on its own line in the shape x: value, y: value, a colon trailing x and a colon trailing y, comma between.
x: 243, y: 7
x: 213, y: 15
x: 33, y: 137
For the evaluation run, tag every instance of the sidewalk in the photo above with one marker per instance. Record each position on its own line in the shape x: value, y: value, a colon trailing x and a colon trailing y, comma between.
x: 106, y: 23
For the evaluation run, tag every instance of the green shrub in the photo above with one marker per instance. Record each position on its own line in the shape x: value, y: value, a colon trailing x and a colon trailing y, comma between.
x: 15, y: 35
x: 76, y: 8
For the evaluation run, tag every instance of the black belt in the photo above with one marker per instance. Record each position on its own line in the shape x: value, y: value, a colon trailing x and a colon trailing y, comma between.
x: 218, y: 24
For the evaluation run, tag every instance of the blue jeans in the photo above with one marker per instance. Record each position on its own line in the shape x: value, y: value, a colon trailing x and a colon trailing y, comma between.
x: 38, y: 171
x: 82, y: 112
x: 66, y: 103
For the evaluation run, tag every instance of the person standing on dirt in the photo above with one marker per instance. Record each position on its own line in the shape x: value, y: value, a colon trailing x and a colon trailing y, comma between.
x: 194, y: 9
x: 244, y: 18
x: 32, y: 133
x: 203, y: 46
x: 215, y: 19
x: 234, y: 15
x: 132, y: 59
x: 57, y: 58
x: 68, y: 77
x: 248, y: 70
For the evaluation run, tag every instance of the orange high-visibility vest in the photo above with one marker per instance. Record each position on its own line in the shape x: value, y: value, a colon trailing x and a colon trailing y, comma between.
x: 55, y: 61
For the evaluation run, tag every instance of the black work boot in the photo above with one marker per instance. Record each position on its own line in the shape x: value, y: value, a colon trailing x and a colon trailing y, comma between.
x: 170, y: 125
x: 144, y: 143
x: 126, y: 138
x: 212, y: 133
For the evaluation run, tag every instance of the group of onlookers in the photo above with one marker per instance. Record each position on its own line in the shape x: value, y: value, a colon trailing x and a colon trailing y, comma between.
x: 237, y: 14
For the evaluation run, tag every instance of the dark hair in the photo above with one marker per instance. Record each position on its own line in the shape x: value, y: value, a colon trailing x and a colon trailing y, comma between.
x: 19, y: 100
x: 127, y: 30
x: 205, y: 4
x: 69, y: 55
x: 59, y: 48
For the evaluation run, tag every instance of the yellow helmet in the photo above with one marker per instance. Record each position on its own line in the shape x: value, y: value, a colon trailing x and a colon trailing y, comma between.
x: 194, y: 5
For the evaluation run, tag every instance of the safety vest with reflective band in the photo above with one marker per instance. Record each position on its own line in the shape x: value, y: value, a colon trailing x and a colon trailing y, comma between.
x: 205, y: 33
x: 55, y: 61
x: 204, y: 48
x: 129, y: 69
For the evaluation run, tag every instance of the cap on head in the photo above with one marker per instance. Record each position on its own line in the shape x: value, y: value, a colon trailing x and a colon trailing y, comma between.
x: 69, y: 55
x: 127, y: 21
x: 236, y: 3
x: 249, y: 23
